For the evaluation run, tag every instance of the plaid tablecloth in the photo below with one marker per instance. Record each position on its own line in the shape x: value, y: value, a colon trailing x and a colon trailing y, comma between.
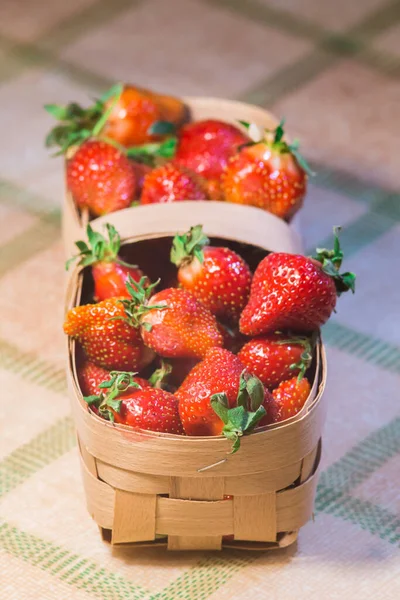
x: 332, y: 68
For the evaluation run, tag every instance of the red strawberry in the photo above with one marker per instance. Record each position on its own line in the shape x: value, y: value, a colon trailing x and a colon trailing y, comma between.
x: 217, y: 276
x: 110, y: 273
x: 269, y: 174
x: 124, y: 113
x: 101, y: 178
x: 276, y: 357
x: 179, y: 326
x: 124, y: 401
x: 171, y: 183
x: 108, y: 340
x: 290, y: 291
x: 289, y: 398
x: 218, y: 378
x: 90, y: 376
x: 206, y: 146
x: 136, y: 111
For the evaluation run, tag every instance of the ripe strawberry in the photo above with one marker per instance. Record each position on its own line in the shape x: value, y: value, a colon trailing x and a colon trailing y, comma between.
x: 124, y: 400
x: 290, y: 291
x: 110, y: 273
x: 125, y: 114
x: 136, y: 111
x: 206, y: 146
x: 178, y: 325
x: 289, y: 398
x: 212, y: 387
x: 107, y: 338
x: 171, y: 183
x: 269, y: 174
x: 217, y: 276
x: 90, y: 377
x: 276, y: 357
x: 101, y: 178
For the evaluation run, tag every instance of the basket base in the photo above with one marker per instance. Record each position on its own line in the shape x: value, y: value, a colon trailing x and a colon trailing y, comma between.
x: 284, y: 540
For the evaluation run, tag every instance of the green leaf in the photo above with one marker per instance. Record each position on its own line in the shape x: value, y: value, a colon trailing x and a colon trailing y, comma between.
x: 219, y: 403
x: 301, y: 161
x: 235, y: 445
x: 114, y: 91
x: 254, y: 418
x: 237, y: 418
x: 91, y: 399
x: 256, y: 392
x: 189, y: 245
x: 57, y: 111
x: 279, y: 132
x: 162, y: 128
x: 114, y: 404
x: 244, y: 123
x: 147, y: 326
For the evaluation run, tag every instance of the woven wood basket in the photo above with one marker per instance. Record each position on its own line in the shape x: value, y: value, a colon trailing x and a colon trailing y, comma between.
x: 74, y: 221
x: 188, y: 493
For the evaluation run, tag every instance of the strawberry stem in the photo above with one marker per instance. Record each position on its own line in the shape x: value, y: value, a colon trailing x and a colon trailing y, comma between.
x: 107, y: 402
x: 137, y: 305
x: 243, y: 418
x: 160, y: 375
x: 331, y: 261
x: 98, y: 248
x: 306, y: 357
x: 188, y: 246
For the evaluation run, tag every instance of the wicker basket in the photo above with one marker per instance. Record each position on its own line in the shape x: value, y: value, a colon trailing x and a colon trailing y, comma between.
x: 187, y: 492
x: 74, y: 222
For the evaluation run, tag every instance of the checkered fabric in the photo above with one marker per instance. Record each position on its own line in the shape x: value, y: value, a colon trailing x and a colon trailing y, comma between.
x: 332, y: 69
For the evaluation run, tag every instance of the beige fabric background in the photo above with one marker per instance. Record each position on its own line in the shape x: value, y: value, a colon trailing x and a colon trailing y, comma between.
x: 332, y: 68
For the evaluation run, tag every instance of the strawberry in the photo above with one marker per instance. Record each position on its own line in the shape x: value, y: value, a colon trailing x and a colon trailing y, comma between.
x: 217, y: 276
x: 289, y: 398
x: 215, y: 385
x: 295, y: 292
x: 178, y: 325
x: 124, y: 400
x: 101, y: 178
x: 108, y: 337
x: 110, y: 273
x: 171, y: 183
x: 90, y: 377
x: 125, y: 114
x: 269, y: 174
x: 276, y: 357
x: 206, y: 146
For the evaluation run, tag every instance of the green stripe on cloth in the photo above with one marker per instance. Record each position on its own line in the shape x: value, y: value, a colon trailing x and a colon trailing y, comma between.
x: 41, y: 451
x: 363, y: 346
x: 359, y: 463
x: 83, y: 21
x: 360, y: 233
x: 370, y: 517
x: 68, y: 567
x: 31, y: 368
x: 25, y: 245
x: 272, y: 17
x: 295, y: 75
x: 12, y: 194
x: 347, y: 184
x: 206, y: 577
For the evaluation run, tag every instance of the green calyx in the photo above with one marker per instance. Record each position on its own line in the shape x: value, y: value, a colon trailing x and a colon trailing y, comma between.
x: 78, y: 124
x: 153, y: 152
x: 188, y: 246
x: 243, y: 418
x: 308, y: 344
x: 274, y: 138
x: 160, y: 376
x: 98, y: 248
x: 137, y: 305
x: 331, y: 261
x: 107, y: 401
